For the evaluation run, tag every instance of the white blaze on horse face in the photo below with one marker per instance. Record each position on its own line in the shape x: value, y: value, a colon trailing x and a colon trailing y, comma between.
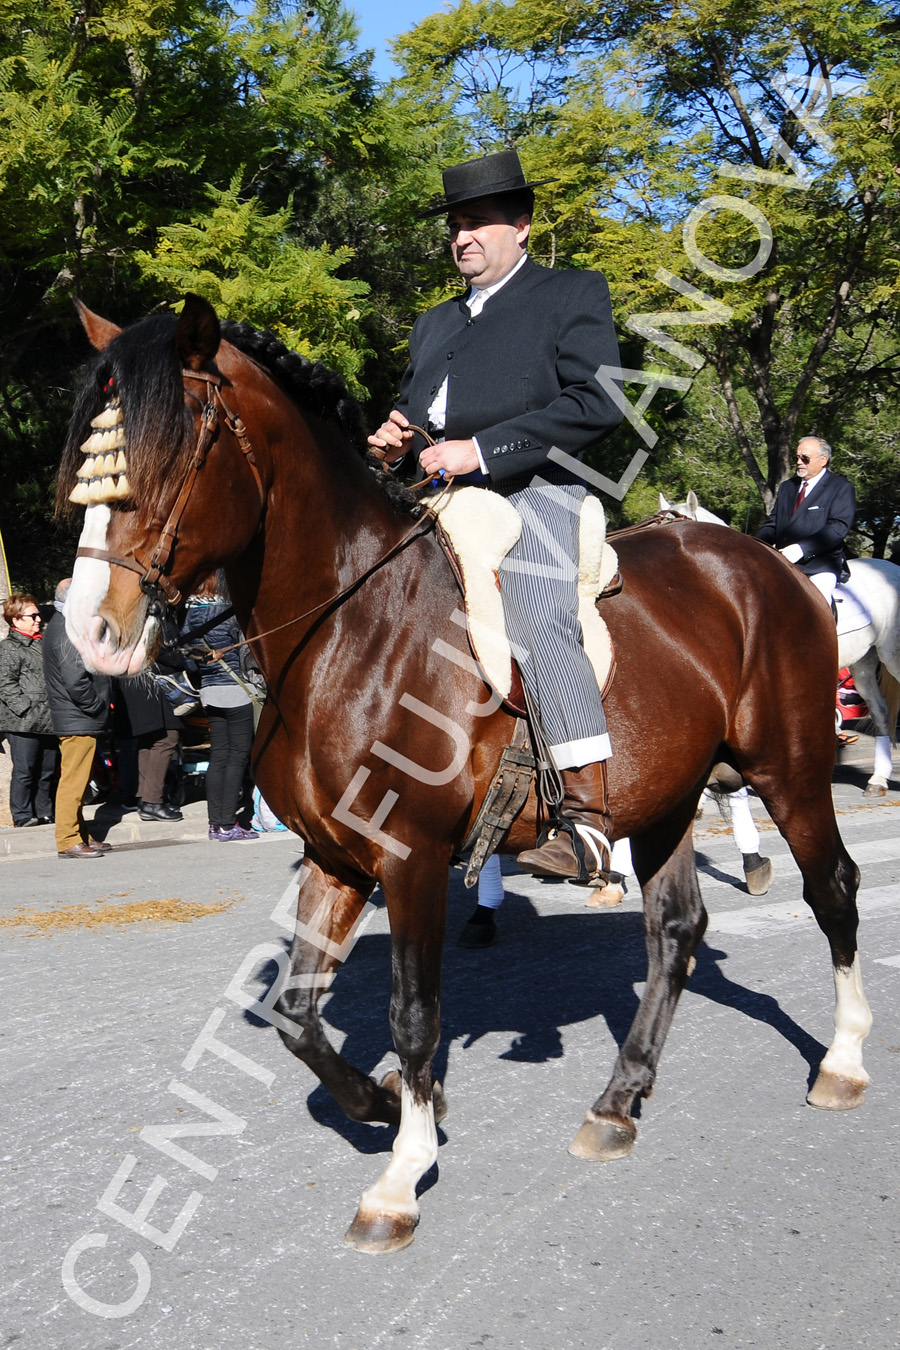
x: 90, y: 580
x: 94, y: 637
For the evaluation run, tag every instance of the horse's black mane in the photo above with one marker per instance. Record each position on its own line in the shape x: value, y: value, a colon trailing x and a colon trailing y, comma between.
x: 145, y: 370
x: 320, y: 391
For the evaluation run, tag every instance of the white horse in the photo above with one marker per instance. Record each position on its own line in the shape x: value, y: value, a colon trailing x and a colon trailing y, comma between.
x: 868, y: 608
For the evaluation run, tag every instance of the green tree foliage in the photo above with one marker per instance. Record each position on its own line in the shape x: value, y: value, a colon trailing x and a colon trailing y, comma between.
x: 153, y: 146
x: 643, y: 112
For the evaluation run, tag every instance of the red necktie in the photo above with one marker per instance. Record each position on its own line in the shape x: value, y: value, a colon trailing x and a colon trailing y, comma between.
x: 802, y: 493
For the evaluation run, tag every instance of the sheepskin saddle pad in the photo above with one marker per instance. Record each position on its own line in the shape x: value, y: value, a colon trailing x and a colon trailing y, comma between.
x: 482, y: 527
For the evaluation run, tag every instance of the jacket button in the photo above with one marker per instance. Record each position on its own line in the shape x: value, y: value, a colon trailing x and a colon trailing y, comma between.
x: 449, y: 356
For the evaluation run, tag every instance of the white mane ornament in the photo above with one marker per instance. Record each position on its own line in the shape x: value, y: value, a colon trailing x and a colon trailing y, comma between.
x: 102, y: 476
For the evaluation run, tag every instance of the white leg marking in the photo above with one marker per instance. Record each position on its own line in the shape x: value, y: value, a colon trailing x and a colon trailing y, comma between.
x: 415, y: 1149
x: 852, y: 1023
x: 884, y: 764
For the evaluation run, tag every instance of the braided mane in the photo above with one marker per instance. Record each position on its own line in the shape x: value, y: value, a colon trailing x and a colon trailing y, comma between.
x: 145, y: 370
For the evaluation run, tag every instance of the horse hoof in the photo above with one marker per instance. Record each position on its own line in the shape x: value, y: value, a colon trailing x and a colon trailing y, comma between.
x: 602, y: 1139
x: 760, y: 878
x: 380, y: 1234
x: 833, y: 1092
x: 875, y: 790
x: 606, y: 897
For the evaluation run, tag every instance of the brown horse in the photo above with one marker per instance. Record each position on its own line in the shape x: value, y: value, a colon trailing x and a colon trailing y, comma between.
x: 379, y: 737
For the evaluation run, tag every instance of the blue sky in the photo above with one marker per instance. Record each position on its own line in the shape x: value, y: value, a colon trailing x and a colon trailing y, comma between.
x: 380, y: 20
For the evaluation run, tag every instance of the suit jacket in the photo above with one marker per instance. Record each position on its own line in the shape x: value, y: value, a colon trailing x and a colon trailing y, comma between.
x: 521, y: 373
x: 819, y: 526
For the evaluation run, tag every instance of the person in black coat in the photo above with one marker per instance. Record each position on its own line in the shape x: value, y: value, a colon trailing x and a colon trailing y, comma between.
x: 812, y: 516
x: 210, y: 625
x: 146, y: 731
x: 505, y: 377
x: 25, y: 714
x: 79, y: 706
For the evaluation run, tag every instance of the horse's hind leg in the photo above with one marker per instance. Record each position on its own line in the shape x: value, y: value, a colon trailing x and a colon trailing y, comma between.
x: 325, y: 931
x: 389, y: 1211
x: 674, y: 923
x: 830, y: 882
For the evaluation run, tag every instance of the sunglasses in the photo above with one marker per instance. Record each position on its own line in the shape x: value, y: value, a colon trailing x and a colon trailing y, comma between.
x: 803, y: 459
x: 31, y: 616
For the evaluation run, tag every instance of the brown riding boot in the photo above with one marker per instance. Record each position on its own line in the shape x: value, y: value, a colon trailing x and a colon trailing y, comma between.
x: 586, y: 805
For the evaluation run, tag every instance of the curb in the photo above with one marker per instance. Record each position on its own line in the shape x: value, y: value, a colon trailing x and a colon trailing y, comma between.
x: 114, y: 828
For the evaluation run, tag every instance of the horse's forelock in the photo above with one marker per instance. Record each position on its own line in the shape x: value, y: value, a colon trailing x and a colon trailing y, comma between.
x: 145, y: 370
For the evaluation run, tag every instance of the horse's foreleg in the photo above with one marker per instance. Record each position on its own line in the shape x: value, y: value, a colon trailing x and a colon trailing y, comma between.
x: 674, y: 923
x: 389, y: 1211
x: 842, y: 1081
x: 325, y: 931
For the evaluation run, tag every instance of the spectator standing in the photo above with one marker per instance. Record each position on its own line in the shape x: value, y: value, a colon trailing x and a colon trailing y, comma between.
x: 226, y: 698
x: 147, y: 733
x: 25, y: 715
x: 79, y: 706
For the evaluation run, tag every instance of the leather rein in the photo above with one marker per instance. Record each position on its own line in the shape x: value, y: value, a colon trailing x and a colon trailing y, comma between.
x: 154, y: 583
x: 160, y: 589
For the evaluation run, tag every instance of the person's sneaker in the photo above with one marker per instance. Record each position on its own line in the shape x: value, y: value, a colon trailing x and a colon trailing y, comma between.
x: 215, y: 832
x: 179, y: 692
x: 236, y: 832
x: 158, y: 811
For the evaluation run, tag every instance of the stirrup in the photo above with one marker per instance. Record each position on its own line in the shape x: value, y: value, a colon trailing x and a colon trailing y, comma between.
x: 580, y: 836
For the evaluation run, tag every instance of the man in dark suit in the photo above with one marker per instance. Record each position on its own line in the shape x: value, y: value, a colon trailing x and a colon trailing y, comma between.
x: 812, y: 516
x: 502, y: 376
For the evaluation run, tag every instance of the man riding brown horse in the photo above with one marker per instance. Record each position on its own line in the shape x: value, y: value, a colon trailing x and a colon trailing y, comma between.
x: 500, y: 377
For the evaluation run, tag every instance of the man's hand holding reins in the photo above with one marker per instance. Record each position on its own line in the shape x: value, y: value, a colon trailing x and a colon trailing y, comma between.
x: 393, y: 437
x: 452, y: 456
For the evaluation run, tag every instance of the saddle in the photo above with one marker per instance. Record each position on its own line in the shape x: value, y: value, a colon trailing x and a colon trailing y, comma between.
x: 477, y: 529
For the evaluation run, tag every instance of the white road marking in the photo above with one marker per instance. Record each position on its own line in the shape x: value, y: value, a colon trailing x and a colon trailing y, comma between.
x: 888, y: 961
x: 863, y: 853
x: 759, y: 921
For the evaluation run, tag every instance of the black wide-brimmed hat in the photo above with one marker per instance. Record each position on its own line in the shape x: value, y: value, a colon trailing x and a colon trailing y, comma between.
x: 490, y: 176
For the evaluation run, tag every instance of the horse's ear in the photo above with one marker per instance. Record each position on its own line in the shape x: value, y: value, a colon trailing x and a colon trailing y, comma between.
x: 693, y: 503
x: 100, y: 332
x: 663, y: 504
x: 197, y: 335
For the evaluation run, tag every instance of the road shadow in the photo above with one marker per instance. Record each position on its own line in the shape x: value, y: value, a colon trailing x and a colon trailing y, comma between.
x: 547, y: 971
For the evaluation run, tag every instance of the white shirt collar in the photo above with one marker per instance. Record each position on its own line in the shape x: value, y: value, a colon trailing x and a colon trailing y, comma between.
x: 481, y: 294
x: 811, y: 482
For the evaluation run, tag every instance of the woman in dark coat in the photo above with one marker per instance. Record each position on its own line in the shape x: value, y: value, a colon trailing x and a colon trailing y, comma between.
x: 226, y: 698
x: 25, y: 714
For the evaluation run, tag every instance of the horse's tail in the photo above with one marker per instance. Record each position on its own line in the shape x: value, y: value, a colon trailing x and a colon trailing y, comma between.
x: 890, y: 687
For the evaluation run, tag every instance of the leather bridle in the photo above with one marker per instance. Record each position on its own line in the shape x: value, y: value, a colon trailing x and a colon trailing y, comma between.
x: 159, y: 588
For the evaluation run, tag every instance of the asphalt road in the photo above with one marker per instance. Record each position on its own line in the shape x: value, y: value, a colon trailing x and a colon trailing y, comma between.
x: 744, y: 1217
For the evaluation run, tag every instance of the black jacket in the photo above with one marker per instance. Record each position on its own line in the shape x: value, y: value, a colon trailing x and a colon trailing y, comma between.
x: 819, y: 526
x: 79, y: 700
x: 24, y: 709
x: 522, y: 373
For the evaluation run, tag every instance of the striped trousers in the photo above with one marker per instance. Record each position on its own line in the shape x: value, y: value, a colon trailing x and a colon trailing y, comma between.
x: 539, y: 586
